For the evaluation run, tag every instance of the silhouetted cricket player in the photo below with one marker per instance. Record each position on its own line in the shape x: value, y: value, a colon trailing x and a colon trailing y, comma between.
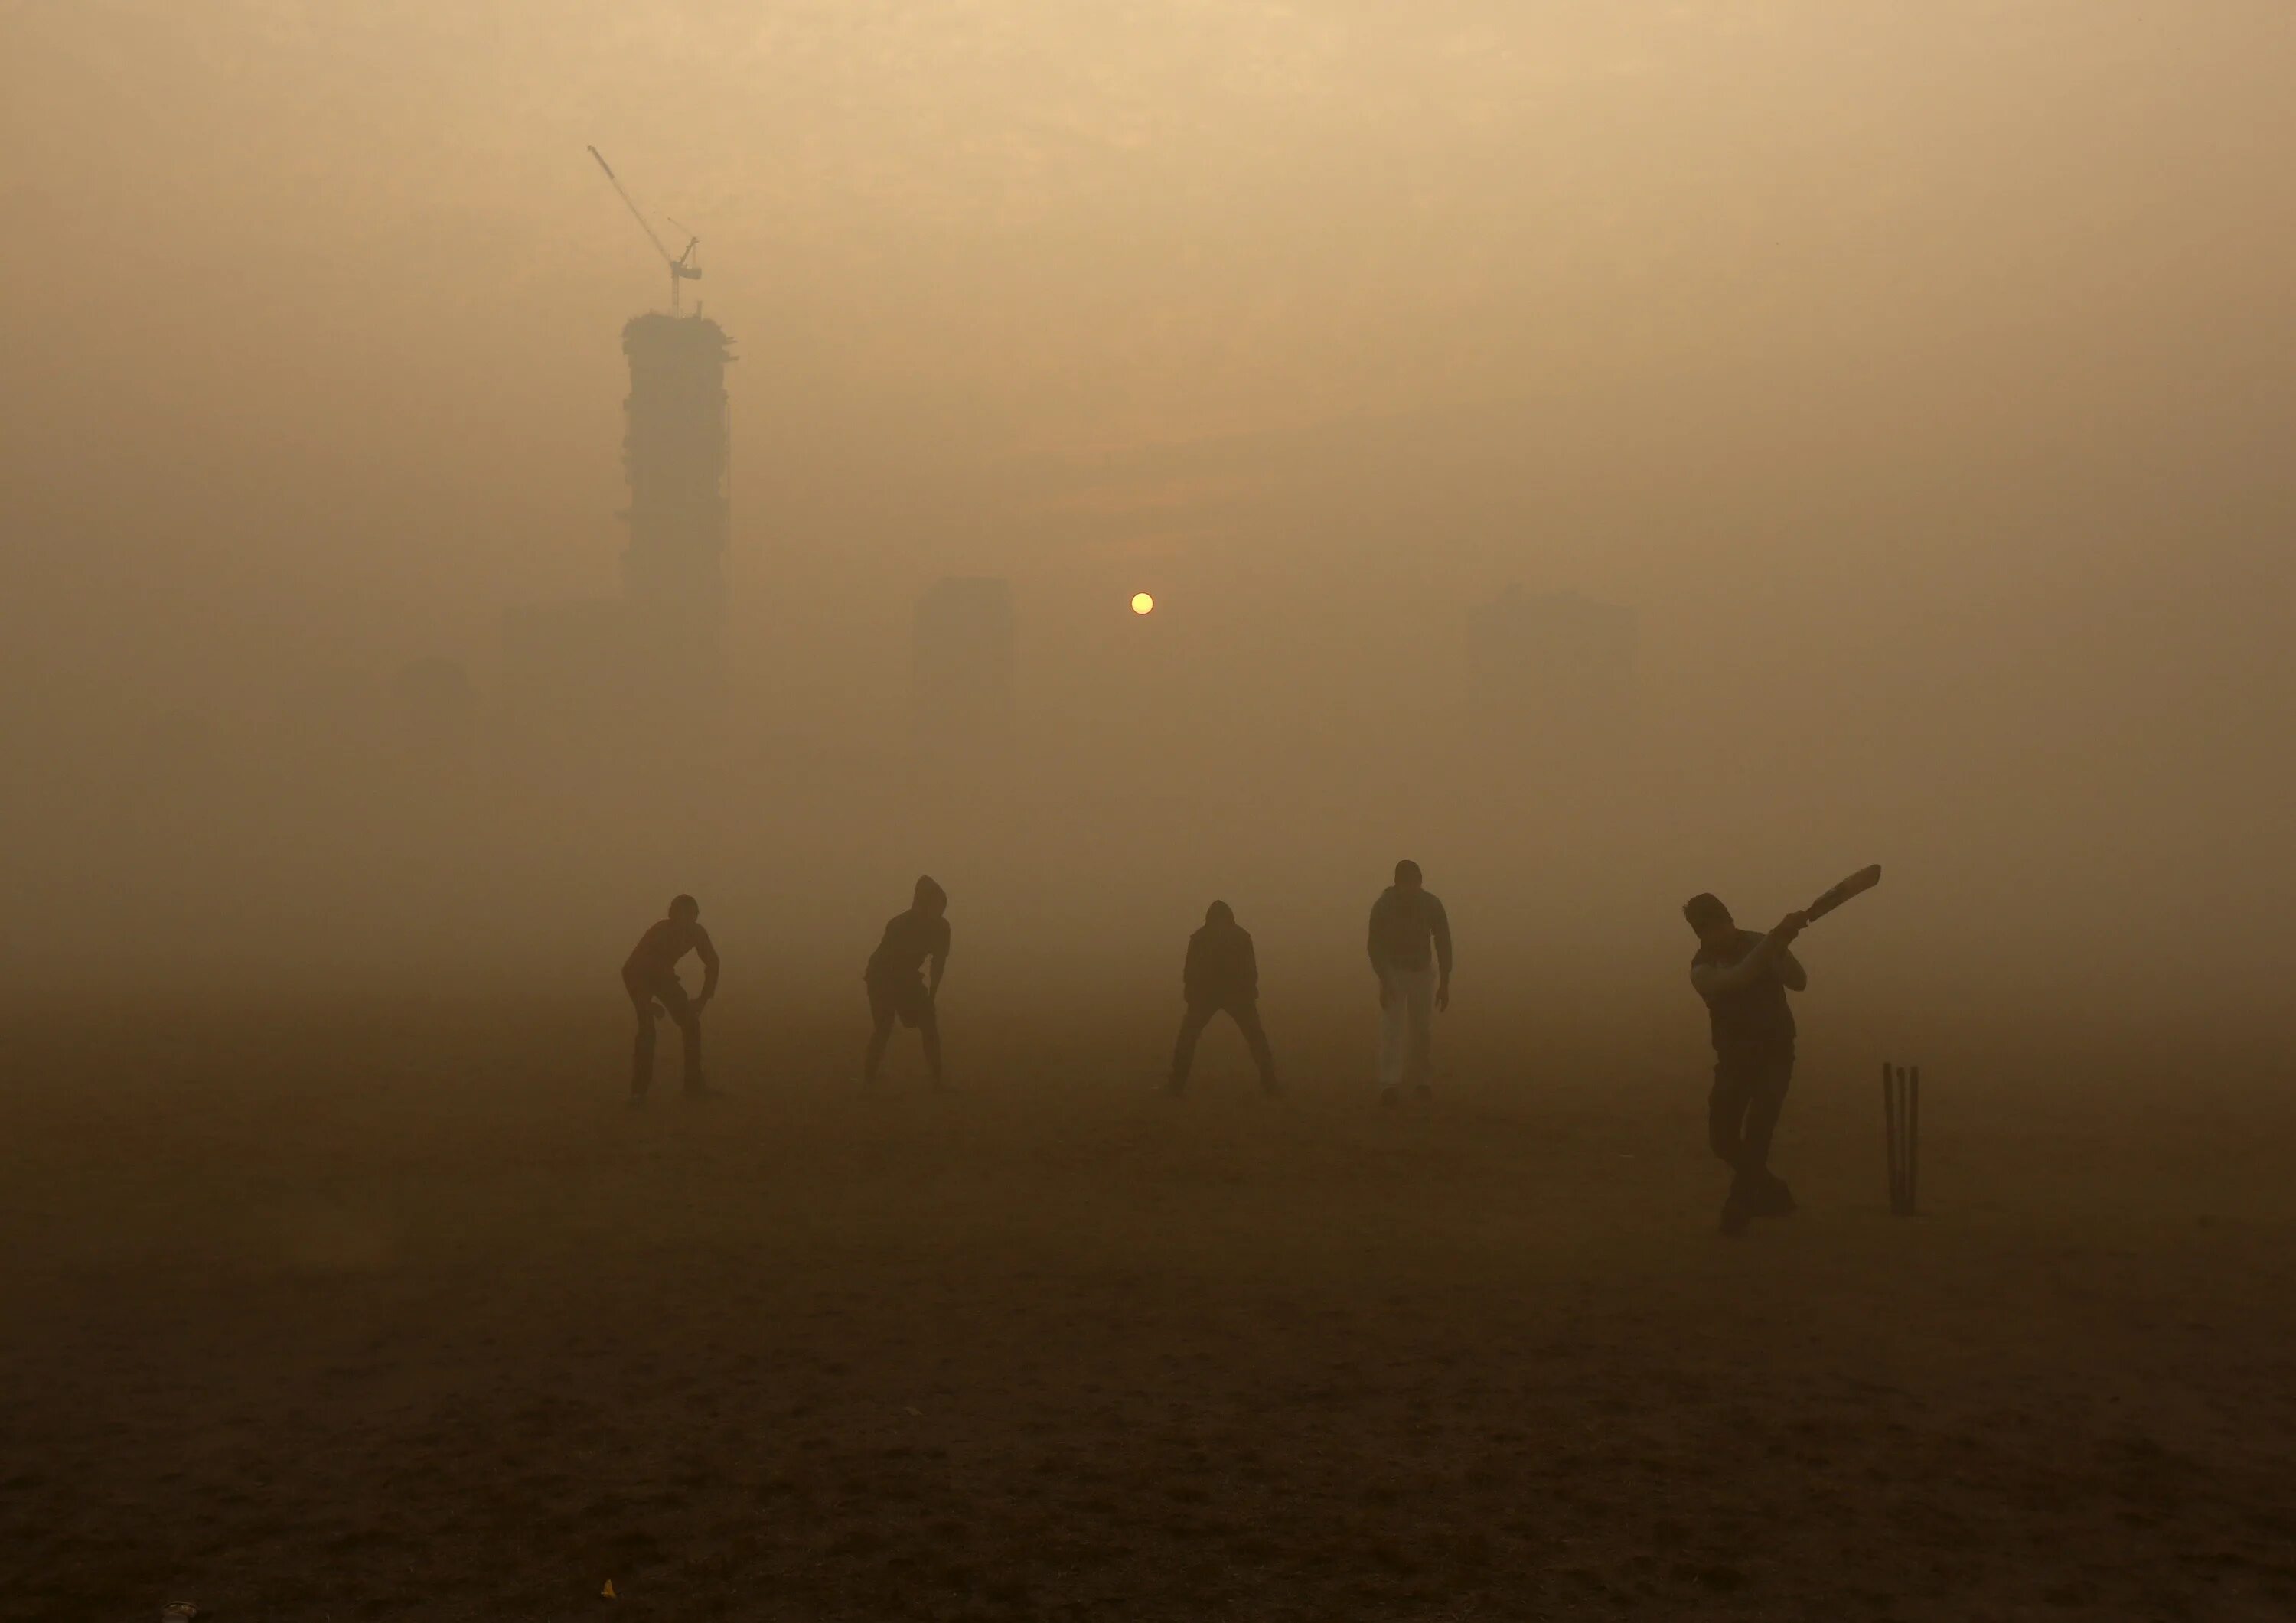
x: 1221, y: 975
x: 1744, y: 978
x: 1410, y: 945
x: 649, y: 976
x: 896, y: 980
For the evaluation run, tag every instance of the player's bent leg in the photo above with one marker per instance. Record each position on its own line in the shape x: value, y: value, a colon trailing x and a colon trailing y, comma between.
x: 881, y: 1014
x: 1726, y: 1109
x: 1422, y: 1006
x: 1246, y: 1016
x: 1192, y: 1022
x: 1725, y: 1113
x: 1764, y: 1193
x: 928, y: 1028
x: 642, y: 1044
x: 1394, y: 1037
x: 690, y: 1030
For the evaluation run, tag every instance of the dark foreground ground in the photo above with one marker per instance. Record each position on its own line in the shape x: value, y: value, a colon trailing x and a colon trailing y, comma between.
x: 399, y: 1316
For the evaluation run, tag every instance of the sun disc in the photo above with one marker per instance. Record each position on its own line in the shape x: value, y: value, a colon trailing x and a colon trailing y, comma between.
x: 1141, y: 602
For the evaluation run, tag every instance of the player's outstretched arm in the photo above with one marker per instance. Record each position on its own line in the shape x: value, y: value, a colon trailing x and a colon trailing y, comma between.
x: 1442, y: 928
x: 707, y: 951
x: 1716, y: 980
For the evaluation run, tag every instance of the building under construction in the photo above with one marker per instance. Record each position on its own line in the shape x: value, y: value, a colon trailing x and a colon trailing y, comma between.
x: 662, y: 642
x: 673, y: 454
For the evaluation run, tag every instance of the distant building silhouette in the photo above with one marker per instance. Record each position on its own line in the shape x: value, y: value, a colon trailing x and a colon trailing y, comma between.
x: 961, y: 667
x: 675, y: 455
x: 658, y: 648
x: 1551, y: 662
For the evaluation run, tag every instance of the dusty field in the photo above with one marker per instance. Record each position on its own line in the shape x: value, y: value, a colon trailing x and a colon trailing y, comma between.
x: 401, y: 1316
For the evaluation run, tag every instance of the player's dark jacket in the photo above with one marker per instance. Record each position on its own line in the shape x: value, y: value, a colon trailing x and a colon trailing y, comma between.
x: 910, y: 939
x: 1755, y: 1016
x: 1221, y: 966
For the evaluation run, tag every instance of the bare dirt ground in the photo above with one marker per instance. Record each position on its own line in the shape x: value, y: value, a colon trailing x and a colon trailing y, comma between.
x: 400, y: 1313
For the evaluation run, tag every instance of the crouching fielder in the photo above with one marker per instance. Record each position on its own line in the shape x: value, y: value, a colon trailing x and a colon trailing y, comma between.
x: 1221, y: 974
x: 650, y: 978
x: 895, y: 977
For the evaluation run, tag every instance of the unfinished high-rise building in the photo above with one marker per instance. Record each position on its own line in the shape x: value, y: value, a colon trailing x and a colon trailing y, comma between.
x: 675, y: 455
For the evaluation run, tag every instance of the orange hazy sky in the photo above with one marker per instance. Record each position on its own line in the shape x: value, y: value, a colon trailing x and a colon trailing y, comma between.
x: 310, y: 310
x: 368, y: 234
x: 1921, y: 373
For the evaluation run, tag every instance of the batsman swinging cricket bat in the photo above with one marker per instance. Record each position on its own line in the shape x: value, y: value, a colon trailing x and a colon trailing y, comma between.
x: 1857, y: 884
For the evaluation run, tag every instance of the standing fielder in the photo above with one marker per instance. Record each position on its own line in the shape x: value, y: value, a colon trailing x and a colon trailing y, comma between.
x: 1744, y: 978
x: 1410, y: 946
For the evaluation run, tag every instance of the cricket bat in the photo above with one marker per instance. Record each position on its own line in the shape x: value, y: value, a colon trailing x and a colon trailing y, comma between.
x: 1857, y: 884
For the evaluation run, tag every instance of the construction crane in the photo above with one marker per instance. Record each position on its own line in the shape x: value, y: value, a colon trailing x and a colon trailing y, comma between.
x: 681, y: 268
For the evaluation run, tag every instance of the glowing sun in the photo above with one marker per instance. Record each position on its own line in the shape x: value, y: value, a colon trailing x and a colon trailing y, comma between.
x: 1142, y: 603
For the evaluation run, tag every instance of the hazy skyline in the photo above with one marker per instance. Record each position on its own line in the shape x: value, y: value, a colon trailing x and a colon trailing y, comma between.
x: 1919, y: 374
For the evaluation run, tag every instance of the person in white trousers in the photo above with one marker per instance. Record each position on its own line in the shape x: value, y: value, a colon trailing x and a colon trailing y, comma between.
x: 1410, y: 945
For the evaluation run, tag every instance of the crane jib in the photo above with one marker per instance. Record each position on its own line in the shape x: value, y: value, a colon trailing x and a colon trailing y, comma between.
x: 682, y: 269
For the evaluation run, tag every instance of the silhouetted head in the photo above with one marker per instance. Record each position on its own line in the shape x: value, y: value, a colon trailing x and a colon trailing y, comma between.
x: 1407, y: 875
x: 930, y: 899
x: 1709, y: 919
x: 683, y: 909
x: 1220, y: 913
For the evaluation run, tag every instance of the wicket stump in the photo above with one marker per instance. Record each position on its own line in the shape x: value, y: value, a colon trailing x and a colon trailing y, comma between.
x: 1901, y: 1119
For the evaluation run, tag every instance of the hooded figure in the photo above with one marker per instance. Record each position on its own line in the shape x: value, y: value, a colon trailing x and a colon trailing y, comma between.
x: 898, y: 990
x: 1221, y: 974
